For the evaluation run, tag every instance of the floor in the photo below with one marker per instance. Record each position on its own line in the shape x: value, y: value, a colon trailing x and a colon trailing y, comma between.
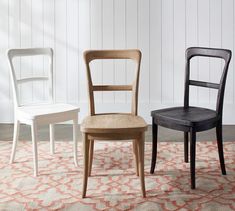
x: 64, y: 132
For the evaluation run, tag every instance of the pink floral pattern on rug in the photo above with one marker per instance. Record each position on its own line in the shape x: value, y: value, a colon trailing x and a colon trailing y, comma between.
x: 113, y: 184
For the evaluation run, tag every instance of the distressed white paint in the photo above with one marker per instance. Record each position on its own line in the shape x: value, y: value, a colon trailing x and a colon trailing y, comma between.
x: 162, y: 29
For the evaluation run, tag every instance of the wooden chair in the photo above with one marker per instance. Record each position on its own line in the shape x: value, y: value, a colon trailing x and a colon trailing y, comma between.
x: 115, y: 126
x: 45, y: 113
x: 194, y: 119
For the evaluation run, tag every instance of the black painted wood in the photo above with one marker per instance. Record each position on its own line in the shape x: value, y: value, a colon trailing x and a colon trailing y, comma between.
x: 180, y: 118
x: 185, y: 147
x: 204, y: 84
x: 192, y: 156
x: 154, y: 146
x: 194, y: 119
x: 220, y: 147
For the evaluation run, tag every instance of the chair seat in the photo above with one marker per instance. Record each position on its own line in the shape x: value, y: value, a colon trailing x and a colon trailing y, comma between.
x: 45, y: 110
x: 113, y: 123
x: 199, y: 118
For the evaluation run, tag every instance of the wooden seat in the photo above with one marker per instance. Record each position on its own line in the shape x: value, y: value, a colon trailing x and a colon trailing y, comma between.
x: 40, y: 113
x: 113, y: 123
x: 194, y: 119
x: 43, y: 112
x: 113, y: 126
x: 180, y: 118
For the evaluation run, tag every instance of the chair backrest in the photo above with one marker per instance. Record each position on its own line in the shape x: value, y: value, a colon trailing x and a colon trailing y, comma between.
x: 13, y: 53
x: 134, y: 55
x: 207, y: 52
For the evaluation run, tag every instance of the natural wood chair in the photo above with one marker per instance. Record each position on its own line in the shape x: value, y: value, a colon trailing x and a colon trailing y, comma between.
x: 115, y: 126
x: 194, y: 119
x: 40, y: 113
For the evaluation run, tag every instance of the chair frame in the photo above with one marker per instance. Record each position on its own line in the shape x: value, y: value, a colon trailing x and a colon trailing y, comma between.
x: 39, y: 120
x: 12, y: 53
x: 190, y: 53
x: 117, y: 134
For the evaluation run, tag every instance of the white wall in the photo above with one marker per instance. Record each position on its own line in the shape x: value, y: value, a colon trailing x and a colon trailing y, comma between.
x: 162, y: 29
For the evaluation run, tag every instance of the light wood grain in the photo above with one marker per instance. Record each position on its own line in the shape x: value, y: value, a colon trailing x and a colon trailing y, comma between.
x: 113, y: 88
x: 140, y: 147
x: 86, y: 143
x: 135, y: 153
x: 113, y: 123
x: 113, y: 126
x: 134, y: 55
x: 91, y: 149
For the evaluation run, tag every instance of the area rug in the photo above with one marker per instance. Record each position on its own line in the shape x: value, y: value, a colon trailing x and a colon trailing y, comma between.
x: 113, y: 184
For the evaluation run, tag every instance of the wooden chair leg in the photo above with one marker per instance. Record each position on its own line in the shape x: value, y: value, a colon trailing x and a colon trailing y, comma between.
x: 91, y: 151
x: 15, y: 140
x: 140, y: 146
x: 219, y: 135
x: 35, y: 150
x: 136, y: 157
x: 186, y: 147
x: 75, y: 141
x: 192, y: 157
x: 85, y: 163
x: 52, y: 139
x: 154, y: 146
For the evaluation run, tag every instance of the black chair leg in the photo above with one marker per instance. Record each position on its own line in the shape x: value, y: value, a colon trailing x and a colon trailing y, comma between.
x: 154, y: 146
x: 192, y: 157
x: 186, y: 147
x: 220, y: 147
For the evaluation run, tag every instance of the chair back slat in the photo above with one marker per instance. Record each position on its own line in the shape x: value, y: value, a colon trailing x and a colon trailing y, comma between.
x: 24, y: 80
x: 224, y: 54
x: 134, y: 55
x: 112, y: 88
x: 112, y: 54
x: 27, y: 52
x: 204, y: 84
x: 208, y: 52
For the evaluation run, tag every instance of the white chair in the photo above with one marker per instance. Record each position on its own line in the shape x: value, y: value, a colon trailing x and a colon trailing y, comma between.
x: 43, y: 113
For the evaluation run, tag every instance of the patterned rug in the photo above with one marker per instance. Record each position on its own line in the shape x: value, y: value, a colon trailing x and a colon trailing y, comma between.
x: 113, y: 184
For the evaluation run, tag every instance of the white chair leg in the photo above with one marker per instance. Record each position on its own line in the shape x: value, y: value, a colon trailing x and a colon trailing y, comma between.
x: 75, y: 143
x: 35, y: 151
x: 52, y: 139
x: 15, y: 140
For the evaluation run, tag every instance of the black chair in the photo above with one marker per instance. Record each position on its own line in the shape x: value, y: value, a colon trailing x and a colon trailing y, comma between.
x: 194, y: 119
